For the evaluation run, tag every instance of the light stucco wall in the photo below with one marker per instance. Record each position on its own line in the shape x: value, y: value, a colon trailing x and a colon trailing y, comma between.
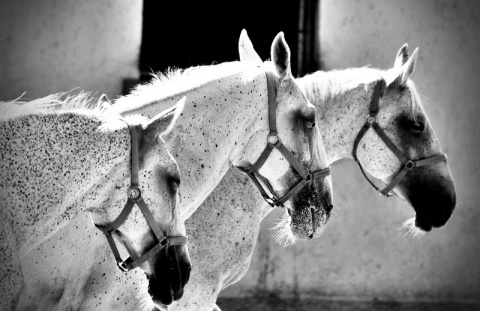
x: 362, y: 255
x: 49, y: 46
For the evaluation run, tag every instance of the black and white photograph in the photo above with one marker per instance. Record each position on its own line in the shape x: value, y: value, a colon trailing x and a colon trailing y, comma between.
x: 288, y: 155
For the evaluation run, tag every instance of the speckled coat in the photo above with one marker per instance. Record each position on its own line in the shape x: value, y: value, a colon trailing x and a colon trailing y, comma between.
x: 55, y: 165
x: 225, y: 121
x: 224, y: 230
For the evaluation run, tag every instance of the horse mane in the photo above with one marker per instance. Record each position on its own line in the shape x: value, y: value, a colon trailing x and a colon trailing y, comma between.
x: 327, y: 85
x: 174, y: 81
x: 82, y: 102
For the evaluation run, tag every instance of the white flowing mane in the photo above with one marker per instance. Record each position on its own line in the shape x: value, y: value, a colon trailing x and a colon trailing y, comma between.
x: 176, y: 81
x: 83, y: 102
x: 327, y: 85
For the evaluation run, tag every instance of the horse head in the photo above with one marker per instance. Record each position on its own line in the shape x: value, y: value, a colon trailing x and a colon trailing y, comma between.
x: 298, y: 178
x: 414, y: 167
x: 154, y: 233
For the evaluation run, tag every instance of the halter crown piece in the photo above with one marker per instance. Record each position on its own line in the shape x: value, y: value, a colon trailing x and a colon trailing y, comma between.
x: 135, y: 197
x: 273, y: 141
x: 407, y: 164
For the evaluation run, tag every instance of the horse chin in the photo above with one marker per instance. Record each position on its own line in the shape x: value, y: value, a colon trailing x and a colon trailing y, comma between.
x: 160, y: 291
x: 160, y: 306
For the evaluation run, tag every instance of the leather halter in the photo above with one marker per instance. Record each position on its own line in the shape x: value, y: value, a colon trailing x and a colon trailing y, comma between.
x: 135, y: 197
x: 273, y: 141
x: 407, y: 164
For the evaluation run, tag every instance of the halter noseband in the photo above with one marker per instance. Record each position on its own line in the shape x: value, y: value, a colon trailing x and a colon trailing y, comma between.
x: 273, y: 141
x: 135, y: 197
x: 407, y: 164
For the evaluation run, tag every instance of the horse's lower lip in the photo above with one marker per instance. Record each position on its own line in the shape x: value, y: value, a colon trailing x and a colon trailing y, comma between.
x: 162, y: 300
x: 161, y: 306
x: 423, y: 224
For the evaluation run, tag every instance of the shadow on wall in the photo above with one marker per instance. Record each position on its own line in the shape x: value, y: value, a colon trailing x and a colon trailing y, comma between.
x: 274, y: 303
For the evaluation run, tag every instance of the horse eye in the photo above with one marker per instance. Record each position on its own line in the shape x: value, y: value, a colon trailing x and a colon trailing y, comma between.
x: 417, y: 126
x: 309, y: 121
x: 173, y: 183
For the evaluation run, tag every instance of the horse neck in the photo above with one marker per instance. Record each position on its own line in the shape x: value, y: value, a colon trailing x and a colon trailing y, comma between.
x: 56, y: 166
x: 342, y: 104
x: 215, y: 127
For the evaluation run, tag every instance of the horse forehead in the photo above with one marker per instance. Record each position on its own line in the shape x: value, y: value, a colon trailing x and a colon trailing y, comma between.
x: 162, y: 158
x: 397, y: 101
x: 291, y: 93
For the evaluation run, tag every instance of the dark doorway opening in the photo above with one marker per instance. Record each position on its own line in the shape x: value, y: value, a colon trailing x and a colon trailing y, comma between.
x: 182, y: 34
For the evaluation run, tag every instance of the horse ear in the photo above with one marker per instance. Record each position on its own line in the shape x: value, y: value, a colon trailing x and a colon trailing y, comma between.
x: 402, y: 57
x: 280, y: 54
x: 246, y: 50
x: 406, y: 69
x: 163, y: 123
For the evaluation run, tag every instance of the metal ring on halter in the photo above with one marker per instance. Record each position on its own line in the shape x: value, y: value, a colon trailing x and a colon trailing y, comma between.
x: 409, y: 165
x: 371, y: 119
x: 272, y: 139
x: 133, y: 192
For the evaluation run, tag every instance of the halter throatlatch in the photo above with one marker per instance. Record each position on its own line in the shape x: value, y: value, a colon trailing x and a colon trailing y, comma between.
x: 407, y: 164
x: 135, y: 197
x: 273, y: 141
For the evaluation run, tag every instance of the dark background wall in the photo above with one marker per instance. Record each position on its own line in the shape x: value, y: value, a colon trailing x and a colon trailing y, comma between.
x: 191, y: 33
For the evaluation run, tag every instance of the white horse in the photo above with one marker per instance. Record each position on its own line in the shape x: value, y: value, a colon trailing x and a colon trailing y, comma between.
x: 226, y: 121
x: 343, y: 100
x: 60, y: 159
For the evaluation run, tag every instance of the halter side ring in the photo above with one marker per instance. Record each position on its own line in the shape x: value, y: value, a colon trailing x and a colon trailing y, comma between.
x: 134, y: 193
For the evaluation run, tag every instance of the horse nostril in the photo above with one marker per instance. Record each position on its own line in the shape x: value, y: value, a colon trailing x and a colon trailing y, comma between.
x: 187, y: 274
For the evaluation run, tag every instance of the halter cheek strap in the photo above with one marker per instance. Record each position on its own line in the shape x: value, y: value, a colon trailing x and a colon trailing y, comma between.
x: 273, y: 141
x: 407, y: 164
x: 135, y: 197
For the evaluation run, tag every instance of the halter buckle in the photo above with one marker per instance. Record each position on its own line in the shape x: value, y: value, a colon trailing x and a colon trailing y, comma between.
x: 272, y: 139
x: 387, y: 195
x: 371, y: 119
x: 133, y: 193
x: 409, y: 165
x: 270, y: 201
x: 123, y: 265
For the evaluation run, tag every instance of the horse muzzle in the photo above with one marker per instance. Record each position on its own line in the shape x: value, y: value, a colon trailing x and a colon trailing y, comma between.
x: 311, y: 209
x: 170, y: 274
x: 432, y: 195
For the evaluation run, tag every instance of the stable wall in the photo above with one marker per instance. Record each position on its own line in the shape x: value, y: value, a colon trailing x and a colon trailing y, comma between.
x: 363, y: 255
x: 49, y: 46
